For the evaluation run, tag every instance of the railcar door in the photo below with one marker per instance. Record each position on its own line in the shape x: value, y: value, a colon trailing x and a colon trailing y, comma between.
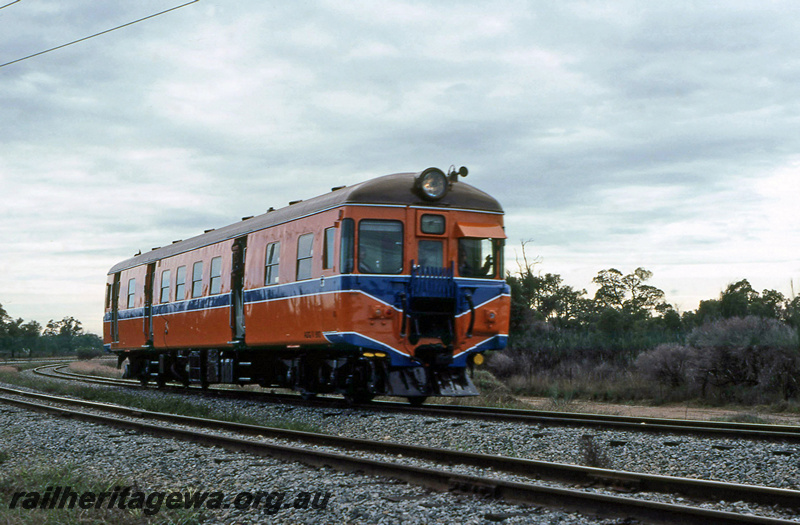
x: 149, y: 282
x: 115, y: 309
x: 237, y: 287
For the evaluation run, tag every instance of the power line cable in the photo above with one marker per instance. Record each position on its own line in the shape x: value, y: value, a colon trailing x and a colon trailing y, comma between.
x: 96, y: 34
x: 12, y: 3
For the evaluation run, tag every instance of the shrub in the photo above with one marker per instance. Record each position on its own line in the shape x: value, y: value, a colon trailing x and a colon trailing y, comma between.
x: 87, y: 352
x: 667, y: 364
x: 738, y: 332
x: 501, y: 365
x: 748, y: 359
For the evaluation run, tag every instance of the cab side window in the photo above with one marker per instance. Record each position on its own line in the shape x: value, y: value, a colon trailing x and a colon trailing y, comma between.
x: 380, y: 246
x: 347, y: 241
x: 329, y: 248
x: 476, y: 258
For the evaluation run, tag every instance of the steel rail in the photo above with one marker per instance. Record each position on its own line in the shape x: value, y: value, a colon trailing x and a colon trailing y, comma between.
x: 719, y: 429
x: 514, y: 492
x: 629, y: 481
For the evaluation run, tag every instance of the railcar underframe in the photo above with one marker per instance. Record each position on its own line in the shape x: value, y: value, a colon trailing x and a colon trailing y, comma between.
x: 358, y: 377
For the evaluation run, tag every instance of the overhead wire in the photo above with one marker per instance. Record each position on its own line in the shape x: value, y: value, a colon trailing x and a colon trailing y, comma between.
x: 94, y: 35
x: 12, y: 3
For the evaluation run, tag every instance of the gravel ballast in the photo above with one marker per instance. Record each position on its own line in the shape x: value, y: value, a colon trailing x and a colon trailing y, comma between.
x: 166, y: 465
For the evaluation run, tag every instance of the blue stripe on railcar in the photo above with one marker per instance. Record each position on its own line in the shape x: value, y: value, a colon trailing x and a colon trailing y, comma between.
x: 382, y: 288
x: 385, y: 289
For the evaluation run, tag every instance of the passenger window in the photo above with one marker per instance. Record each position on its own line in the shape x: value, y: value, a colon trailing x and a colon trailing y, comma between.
x: 380, y: 246
x: 328, y: 249
x: 305, y: 251
x: 165, y: 278
x: 476, y: 258
x: 431, y: 253
x: 180, y: 284
x: 273, y: 260
x: 197, y: 279
x: 347, y: 243
x: 216, y: 276
x: 131, y: 292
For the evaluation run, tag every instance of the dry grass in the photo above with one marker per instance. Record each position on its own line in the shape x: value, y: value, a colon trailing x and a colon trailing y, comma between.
x: 5, y: 369
x: 95, y: 368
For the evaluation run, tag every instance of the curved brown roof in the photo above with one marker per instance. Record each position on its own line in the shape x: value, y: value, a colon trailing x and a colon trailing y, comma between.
x: 396, y: 189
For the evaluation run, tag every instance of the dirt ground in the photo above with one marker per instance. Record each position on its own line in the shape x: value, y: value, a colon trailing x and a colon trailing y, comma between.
x: 667, y: 411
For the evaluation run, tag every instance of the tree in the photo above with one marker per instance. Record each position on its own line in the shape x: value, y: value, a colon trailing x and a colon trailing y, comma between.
x: 769, y: 304
x: 544, y: 298
x: 63, y: 334
x: 736, y: 299
x: 5, y: 337
x: 707, y: 311
x: 628, y: 293
x: 22, y: 336
x: 792, y: 312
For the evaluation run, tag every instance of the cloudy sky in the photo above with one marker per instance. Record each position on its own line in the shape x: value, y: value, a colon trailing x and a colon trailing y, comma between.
x: 621, y: 134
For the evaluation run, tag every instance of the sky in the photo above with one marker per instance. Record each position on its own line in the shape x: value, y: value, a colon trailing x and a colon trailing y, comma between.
x: 624, y: 134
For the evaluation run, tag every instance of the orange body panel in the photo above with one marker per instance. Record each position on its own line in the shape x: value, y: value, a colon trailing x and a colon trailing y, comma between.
x: 303, y: 316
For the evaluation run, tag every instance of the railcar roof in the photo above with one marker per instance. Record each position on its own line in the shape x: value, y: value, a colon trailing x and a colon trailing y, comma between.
x: 396, y: 189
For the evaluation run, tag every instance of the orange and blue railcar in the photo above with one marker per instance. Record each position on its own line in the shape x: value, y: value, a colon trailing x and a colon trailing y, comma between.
x: 392, y: 287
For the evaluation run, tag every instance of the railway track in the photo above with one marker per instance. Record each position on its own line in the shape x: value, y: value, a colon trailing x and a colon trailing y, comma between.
x: 230, y: 436
x: 718, y: 429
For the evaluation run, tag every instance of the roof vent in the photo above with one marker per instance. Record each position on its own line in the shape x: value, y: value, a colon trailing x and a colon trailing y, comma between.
x: 154, y: 249
x: 271, y: 209
x: 209, y: 230
x: 246, y: 218
x: 337, y: 188
x: 175, y: 242
x: 292, y: 203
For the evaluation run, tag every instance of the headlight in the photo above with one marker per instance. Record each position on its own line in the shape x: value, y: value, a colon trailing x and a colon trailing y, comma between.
x: 432, y: 184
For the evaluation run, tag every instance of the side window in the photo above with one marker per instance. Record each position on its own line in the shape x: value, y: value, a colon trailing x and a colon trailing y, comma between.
x: 131, y: 292
x: 165, y: 278
x: 180, y: 284
x: 380, y: 246
x: 216, y: 276
x: 305, y: 251
x: 273, y: 263
x: 197, y: 279
x: 329, y: 248
x: 347, y: 243
x: 476, y: 258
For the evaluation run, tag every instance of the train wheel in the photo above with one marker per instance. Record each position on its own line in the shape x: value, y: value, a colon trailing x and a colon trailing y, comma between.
x: 308, y: 396
x: 416, y: 401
